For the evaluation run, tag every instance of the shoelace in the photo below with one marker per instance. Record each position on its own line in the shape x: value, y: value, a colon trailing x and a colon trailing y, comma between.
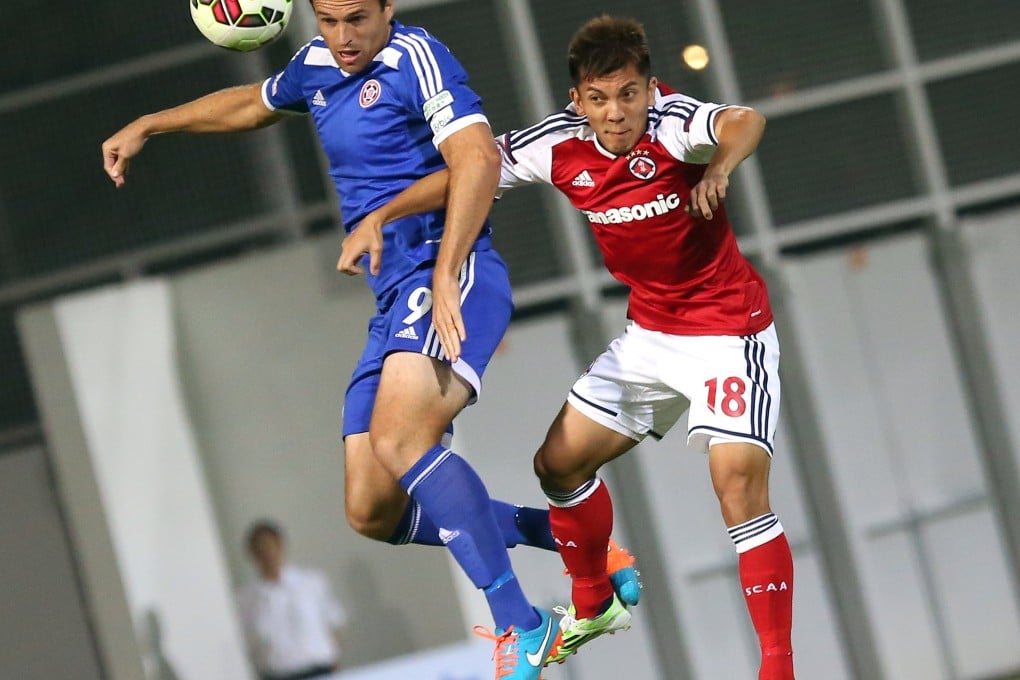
x: 505, y: 654
x: 567, y: 619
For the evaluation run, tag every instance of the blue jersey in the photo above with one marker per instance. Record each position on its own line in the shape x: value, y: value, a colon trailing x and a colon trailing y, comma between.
x: 381, y: 130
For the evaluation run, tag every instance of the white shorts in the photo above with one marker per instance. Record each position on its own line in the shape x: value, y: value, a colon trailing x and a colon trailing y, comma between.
x: 645, y: 380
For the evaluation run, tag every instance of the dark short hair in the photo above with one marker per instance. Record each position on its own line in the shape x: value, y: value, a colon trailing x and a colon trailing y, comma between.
x: 607, y: 44
x: 260, y: 528
x: 382, y: 3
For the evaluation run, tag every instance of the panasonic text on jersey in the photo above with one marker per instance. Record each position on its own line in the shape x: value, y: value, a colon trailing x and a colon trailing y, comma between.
x: 635, y: 213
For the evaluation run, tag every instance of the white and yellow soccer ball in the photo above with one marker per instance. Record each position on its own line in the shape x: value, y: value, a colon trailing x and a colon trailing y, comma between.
x: 241, y: 25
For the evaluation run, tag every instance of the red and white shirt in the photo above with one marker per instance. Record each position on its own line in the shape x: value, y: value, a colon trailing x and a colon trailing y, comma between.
x: 686, y: 275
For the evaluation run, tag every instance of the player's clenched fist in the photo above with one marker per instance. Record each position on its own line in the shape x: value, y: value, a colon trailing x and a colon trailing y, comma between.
x: 119, y: 149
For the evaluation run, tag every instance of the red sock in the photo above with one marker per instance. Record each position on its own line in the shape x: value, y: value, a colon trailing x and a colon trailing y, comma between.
x: 766, y: 574
x: 581, y: 529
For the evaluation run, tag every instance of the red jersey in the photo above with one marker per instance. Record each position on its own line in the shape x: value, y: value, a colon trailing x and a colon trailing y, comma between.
x: 686, y: 275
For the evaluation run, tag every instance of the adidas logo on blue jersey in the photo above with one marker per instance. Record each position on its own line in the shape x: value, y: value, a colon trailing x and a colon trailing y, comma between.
x: 407, y: 334
x: 583, y: 180
x: 318, y: 99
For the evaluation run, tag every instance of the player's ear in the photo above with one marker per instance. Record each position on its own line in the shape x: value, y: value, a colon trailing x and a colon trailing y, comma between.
x: 653, y: 83
x: 575, y: 97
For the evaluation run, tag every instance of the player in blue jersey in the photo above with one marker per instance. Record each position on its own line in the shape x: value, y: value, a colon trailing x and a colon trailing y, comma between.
x: 391, y: 105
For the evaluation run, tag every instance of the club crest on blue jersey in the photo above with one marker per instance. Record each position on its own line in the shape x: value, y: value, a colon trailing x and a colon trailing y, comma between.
x: 642, y: 167
x: 370, y: 92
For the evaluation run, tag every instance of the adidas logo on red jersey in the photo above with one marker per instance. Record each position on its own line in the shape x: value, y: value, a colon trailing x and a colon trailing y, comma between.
x: 583, y: 180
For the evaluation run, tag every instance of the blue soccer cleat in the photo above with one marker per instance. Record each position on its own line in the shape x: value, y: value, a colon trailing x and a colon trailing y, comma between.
x: 521, y: 656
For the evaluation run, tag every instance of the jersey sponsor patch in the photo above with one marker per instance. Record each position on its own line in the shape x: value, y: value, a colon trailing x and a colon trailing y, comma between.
x: 433, y: 105
x: 370, y: 92
x: 440, y: 119
x: 637, y: 212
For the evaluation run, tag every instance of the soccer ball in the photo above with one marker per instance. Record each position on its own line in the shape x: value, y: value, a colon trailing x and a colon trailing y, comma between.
x: 241, y: 25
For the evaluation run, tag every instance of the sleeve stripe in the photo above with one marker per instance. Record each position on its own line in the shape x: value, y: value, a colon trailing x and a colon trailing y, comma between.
x: 711, y: 123
x: 428, y: 73
x: 426, y: 50
x: 504, y: 144
x: 554, y: 123
x: 682, y: 111
x: 656, y: 119
x: 413, y: 56
x: 428, y: 66
x: 265, y: 93
x: 680, y: 106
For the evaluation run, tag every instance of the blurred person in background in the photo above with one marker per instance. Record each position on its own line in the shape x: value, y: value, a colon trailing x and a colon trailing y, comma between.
x: 291, y: 619
x: 649, y: 169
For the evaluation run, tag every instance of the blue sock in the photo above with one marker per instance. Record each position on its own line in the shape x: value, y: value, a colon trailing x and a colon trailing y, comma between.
x: 414, y: 527
x: 451, y: 493
x: 505, y: 596
x: 520, y: 526
x: 531, y: 525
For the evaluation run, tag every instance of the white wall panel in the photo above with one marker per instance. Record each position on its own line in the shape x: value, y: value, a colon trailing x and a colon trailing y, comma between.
x: 44, y: 627
x: 994, y: 249
x: 119, y: 344
x: 818, y: 646
x: 980, y: 616
x: 903, y: 451
x: 905, y: 629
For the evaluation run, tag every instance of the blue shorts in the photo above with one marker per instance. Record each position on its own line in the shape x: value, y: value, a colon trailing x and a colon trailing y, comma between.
x: 404, y: 324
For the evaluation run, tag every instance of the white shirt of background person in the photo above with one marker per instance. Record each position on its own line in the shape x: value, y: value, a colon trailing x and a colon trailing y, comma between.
x: 291, y: 618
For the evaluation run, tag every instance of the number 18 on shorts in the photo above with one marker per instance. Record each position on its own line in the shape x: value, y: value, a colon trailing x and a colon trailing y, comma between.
x: 645, y: 380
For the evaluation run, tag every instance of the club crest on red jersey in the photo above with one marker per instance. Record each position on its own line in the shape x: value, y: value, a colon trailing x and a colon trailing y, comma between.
x: 641, y: 166
x: 370, y: 92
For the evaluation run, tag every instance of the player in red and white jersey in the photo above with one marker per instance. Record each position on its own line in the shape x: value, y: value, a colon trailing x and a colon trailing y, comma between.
x: 649, y: 169
x: 685, y: 273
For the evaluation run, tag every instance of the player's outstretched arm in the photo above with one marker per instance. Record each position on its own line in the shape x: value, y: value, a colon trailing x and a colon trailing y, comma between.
x: 231, y: 110
x: 738, y: 129
x: 425, y: 195
x: 474, y: 161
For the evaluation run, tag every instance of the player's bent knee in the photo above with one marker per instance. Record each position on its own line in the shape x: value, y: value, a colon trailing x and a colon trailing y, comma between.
x: 558, y: 472
x: 538, y: 465
x: 378, y: 526
x: 369, y: 527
